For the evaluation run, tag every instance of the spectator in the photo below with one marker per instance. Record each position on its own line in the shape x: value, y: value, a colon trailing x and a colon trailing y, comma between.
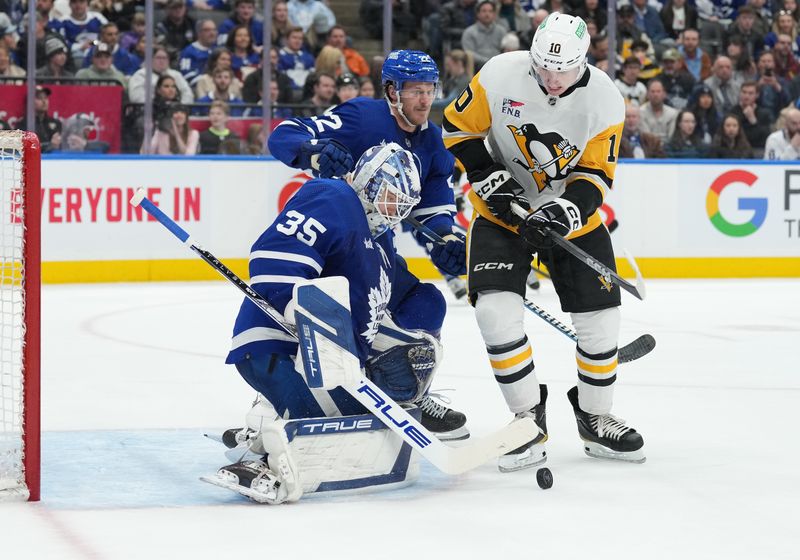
x: 677, y: 81
x: 649, y: 68
x: 482, y: 39
x: 177, y: 29
x: 120, y: 12
x: 445, y: 27
x: 514, y: 18
x: 635, y: 143
x: 356, y: 63
x: 221, y: 92
x: 628, y: 31
x: 371, y: 15
x: 730, y: 142
x: 591, y: 10
x: 323, y: 89
x: 251, y: 90
x: 784, y: 24
x: 218, y: 135
x: 715, y: 17
x: 763, y: 13
x: 47, y: 128
x: 744, y: 69
x: 166, y: 95
x: 294, y: 60
x: 244, y: 58
x: 697, y: 62
x: 648, y: 20
x: 656, y: 117
x: 629, y: 85
x: 57, y: 58
x: 705, y: 112
x: 773, y: 91
x: 685, y: 142
x: 123, y: 60
x: 311, y: 15
x: 79, y: 29
x: 136, y: 91
x: 278, y: 112
x: 175, y: 137
x: 244, y: 12
x: 220, y: 58
x: 280, y: 23
x: 130, y: 39
x: 458, y: 72
x: 723, y: 85
x: 367, y: 88
x: 786, y: 65
x: 784, y: 144
x: 330, y: 60
x: 256, y: 140
x: 47, y: 8
x: 755, y: 120
x: 743, y: 27
x: 41, y: 33
x: 195, y: 56
x: 346, y: 87
x: 102, y: 67
x: 598, y: 51
x: 80, y: 135
x: 677, y: 16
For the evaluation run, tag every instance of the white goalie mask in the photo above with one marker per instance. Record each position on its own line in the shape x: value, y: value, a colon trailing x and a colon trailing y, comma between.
x: 558, y: 52
x: 387, y: 181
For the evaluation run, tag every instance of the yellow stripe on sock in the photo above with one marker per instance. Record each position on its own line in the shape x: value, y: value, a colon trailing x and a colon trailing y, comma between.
x: 513, y: 360
x: 596, y: 369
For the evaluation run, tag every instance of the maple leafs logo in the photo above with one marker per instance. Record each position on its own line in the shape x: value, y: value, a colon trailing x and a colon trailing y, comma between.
x: 378, y: 300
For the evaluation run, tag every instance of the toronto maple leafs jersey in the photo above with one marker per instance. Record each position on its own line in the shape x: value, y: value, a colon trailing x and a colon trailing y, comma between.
x: 551, y: 145
x: 321, y: 232
x: 362, y: 123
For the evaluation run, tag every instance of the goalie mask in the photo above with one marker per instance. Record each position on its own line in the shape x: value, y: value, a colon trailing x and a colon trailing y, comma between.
x: 387, y: 181
x: 558, y: 52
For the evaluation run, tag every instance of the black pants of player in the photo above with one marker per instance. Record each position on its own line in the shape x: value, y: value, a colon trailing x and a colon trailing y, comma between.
x: 499, y: 259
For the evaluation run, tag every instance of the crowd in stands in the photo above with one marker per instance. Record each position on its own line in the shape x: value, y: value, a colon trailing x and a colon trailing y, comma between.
x: 701, y: 78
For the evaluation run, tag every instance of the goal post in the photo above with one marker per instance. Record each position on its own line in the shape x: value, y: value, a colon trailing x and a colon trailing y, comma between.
x: 20, y: 227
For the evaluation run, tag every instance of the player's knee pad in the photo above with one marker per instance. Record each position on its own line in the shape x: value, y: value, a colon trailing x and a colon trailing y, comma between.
x: 500, y: 317
x: 596, y: 357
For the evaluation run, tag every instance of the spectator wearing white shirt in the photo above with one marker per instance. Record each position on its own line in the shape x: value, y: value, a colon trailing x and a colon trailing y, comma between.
x: 657, y: 117
x: 784, y: 144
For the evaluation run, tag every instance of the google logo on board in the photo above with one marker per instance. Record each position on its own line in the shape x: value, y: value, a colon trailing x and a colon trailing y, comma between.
x: 757, y: 205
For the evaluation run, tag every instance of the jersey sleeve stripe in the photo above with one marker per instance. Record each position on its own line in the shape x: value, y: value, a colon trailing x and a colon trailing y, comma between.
x: 288, y: 257
x: 468, y: 116
x: 275, y: 279
x: 434, y: 210
x: 259, y: 334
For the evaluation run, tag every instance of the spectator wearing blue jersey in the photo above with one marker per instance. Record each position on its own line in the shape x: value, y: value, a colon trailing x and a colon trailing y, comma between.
x: 193, y: 58
x: 295, y: 61
x: 244, y: 12
x: 80, y: 29
x: 244, y: 58
x: 221, y: 92
x: 124, y: 61
x: 329, y: 143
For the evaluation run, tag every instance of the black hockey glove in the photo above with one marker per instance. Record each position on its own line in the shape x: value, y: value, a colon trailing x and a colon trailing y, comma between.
x: 325, y: 157
x: 499, y: 189
x: 559, y: 216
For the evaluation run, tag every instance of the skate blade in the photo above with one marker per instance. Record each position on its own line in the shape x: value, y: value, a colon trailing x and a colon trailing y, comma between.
x: 458, y: 434
x: 254, y: 495
x: 598, y: 451
x: 532, y: 457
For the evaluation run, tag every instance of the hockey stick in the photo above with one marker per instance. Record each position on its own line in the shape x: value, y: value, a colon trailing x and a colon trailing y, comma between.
x: 450, y: 460
x: 608, y: 275
x: 628, y: 353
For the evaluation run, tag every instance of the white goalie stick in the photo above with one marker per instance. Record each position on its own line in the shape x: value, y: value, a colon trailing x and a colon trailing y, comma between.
x: 450, y: 460
x: 634, y: 350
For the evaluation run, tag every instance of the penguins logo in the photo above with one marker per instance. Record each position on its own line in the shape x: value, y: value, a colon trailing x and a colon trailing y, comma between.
x: 546, y: 155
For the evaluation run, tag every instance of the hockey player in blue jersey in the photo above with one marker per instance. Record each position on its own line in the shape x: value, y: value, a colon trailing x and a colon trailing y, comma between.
x: 327, y: 144
x: 332, y: 229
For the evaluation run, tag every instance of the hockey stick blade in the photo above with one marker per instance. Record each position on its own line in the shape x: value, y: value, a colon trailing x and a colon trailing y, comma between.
x: 608, y: 275
x: 636, y: 349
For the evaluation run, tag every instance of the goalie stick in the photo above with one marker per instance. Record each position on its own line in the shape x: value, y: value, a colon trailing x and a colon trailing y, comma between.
x: 450, y: 460
x: 634, y: 350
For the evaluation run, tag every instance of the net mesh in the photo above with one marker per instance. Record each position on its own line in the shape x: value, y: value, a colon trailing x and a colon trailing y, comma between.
x: 12, y: 315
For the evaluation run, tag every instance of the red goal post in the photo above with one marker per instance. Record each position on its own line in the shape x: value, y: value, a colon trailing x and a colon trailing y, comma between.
x: 20, y: 226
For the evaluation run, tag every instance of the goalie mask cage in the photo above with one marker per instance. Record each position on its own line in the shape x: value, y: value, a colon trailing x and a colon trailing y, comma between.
x: 20, y: 218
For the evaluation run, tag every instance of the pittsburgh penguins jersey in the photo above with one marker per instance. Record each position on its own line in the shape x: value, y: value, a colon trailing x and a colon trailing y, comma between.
x: 549, y: 144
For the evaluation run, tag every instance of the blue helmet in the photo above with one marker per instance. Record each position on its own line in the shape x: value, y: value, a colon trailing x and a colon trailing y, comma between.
x: 387, y: 181
x: 408, y: 66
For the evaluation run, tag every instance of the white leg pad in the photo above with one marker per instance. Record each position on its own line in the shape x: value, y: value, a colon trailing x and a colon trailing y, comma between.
x: 500, y: 316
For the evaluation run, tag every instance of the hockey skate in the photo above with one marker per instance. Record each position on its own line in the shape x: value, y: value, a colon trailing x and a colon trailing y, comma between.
x: 457, y: 285
x: 532, y: 453
x: 533, y: 280
x: 445, y: 423
x: 257, y: 481
x: 605, y: 436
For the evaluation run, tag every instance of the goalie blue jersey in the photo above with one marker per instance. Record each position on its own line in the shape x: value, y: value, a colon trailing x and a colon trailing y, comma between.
x: 321, y: 232
x: 362, y: 123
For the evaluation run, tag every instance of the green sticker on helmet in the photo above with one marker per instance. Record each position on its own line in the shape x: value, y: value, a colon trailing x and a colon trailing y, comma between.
x: 580, y: 30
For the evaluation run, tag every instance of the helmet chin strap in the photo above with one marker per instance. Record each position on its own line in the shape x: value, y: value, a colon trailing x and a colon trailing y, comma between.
x: 398, y: 106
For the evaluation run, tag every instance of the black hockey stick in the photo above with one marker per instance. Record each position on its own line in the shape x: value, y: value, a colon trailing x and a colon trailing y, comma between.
x: 628, y: 353
x: 608, y: 275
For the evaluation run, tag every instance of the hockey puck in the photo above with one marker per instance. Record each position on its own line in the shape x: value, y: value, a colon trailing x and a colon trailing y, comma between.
x: 544, y: 478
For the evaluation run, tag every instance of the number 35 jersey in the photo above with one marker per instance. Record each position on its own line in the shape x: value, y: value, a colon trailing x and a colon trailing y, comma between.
x: 547, y: 143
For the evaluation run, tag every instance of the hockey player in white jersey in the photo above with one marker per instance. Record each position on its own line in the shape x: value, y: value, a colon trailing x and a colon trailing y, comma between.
x: 541, y: 129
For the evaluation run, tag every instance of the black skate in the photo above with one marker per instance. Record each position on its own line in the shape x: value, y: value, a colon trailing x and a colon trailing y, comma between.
x: 253, y: 479
x: 445, y: 423
x: 605, y: 436
x: 532, y: 453
x: 533, y: 280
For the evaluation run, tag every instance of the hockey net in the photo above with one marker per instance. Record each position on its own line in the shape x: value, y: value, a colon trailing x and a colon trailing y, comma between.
x: 19, y: 315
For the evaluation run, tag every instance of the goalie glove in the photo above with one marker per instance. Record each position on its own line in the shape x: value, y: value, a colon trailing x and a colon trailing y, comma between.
x: 450, y: 257
x: 560, y: 216
x: 325, y: 157
x: 499, y: 189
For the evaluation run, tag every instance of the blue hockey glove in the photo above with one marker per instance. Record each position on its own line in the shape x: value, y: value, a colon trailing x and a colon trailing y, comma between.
x: 499, y: 189
x: 451, y: 257
x: 560, y: 216
x: 325, y: 157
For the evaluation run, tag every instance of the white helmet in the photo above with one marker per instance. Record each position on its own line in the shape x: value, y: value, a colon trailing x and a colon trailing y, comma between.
x: 560, y: 44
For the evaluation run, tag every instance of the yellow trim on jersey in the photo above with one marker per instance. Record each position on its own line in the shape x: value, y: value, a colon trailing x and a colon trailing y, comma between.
x: 596, y: 369
x: 469, y: 114
x: 598, y: 149
x: 513, y: 360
